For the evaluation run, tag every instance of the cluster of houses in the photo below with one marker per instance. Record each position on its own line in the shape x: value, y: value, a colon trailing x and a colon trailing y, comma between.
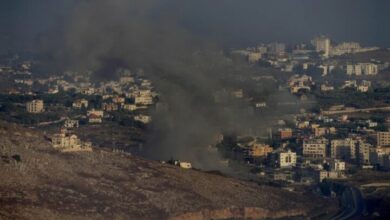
x: 132, y: 94
x: 360, y: 86
x: 314, y: 150
x: 129, y: 93
x: 305, y: 56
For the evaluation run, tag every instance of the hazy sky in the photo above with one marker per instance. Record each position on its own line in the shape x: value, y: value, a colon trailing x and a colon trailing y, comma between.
x: 231, y: 22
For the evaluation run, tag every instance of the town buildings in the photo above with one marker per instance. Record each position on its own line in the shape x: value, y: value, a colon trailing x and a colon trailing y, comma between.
x: 362, y: 69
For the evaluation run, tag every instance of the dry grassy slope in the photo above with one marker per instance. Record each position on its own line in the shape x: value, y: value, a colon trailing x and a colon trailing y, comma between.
x: 51, y: 185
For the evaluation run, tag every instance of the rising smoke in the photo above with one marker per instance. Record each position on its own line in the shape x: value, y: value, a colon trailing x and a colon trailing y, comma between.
x: 187, y: 71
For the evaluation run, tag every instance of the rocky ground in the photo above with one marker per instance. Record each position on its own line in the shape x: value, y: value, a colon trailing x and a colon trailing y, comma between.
x: 37, y: 182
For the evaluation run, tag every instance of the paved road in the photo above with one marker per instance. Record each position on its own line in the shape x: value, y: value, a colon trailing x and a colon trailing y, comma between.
x: 387, y: 108
x: 353, y: 204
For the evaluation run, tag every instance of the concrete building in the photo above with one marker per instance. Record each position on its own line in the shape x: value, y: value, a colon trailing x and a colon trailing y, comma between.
x: 315, y: 148
x: 238, y: 93
x: 109, y: 107
x: 129, y: 107
x: 126, y: 79
x: 380, y: 156
x: 322, y: 45
x: 323, y: 174
x: 363, y: 153
x: 344, y: 48
x: 143, y: 100
x: 383, y: 138
x: 69, y: 123
x: 259, y: 150
x: 143, y: 118
x: 80, y: 103
x: 298, y: 83
x: 285, y: 133
x: 369, y: 68
x: 276, y: 48
x: 94, y: 119
x: 337, y: 165
x: 185, y: 165
x: 344, y: 149
x: 362, y: 68
x: 326, y: 88
x: 95, y: 116
x: 35, y: 106
x: 69, y: 143
x: 364, y: 86
x: 287, y: 159
x: 118, y: 100
x: 260, y: 104
x: 254, y: 57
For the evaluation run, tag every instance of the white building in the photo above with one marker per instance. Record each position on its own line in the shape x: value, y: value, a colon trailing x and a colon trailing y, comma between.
x: 337, y: 165
x: 69, y: 143
x: 364, y: 86
x: 35, y: 106
x: 287, y: 159
x: 185, y: 165
x: 69, y: 123
x: 143, y: 118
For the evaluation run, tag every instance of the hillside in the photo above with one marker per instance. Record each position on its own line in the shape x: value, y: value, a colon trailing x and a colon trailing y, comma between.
x: 38, y: 182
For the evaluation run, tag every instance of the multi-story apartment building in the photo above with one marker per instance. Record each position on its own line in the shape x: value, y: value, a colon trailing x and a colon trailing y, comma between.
x: 315, y: 148
x: 343, y: 149
x: 383, y: 138
x: 322, y: 44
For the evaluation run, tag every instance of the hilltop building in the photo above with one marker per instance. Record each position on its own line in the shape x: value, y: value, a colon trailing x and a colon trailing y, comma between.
x: 69, y: 142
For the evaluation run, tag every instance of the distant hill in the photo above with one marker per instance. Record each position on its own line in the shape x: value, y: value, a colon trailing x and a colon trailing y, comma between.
x: 37, y: 182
